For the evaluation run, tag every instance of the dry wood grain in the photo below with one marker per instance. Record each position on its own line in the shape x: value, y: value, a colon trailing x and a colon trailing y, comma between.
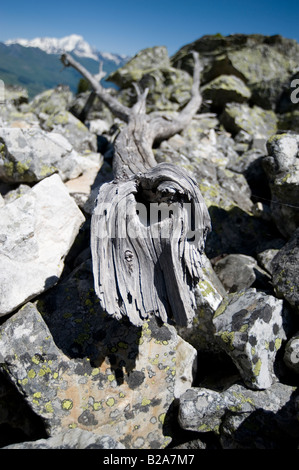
x: 149, y: 225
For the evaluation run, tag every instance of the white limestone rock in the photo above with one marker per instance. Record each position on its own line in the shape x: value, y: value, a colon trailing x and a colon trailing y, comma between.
x: 36, y: 232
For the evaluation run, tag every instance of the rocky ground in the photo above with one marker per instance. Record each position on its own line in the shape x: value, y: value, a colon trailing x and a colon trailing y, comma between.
x: 71, y: 377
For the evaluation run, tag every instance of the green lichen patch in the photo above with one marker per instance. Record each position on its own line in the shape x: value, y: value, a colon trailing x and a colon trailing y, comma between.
x: 67, y: 404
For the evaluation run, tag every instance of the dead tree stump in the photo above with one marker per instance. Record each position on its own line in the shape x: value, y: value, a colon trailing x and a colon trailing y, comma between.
x: 149, y: 225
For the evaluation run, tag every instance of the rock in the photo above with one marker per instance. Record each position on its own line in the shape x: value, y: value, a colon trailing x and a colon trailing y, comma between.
x: 289, y: 121
x: 71, y: 439
x: 146, y: 60
x: 14, y: 194
x: 209, y: 294
x: 51, y: 101
x: 72, y: 129
x: 37, y: 231
x: 86, y: 370
x: 72, y: 376
x: 250, y: 164
x: 291, y: 354
x: 282, y: 169
x: 168, y: 90
x: 97, y: 111
x: 204, y: 410
x: 29, y: 155
x: 285, y: 266
x: 80, y: 188
x: 250, y: 328
x: 16, y: 94
x: 225, y: 89
x: 18, y: 423
x: 268, y: 252
x: 264, y: 63
x: 270, y: 416
x: 191, y: 445
x: 255, y: 120
x: 206, y: 154
x: 98, y: 126
x: 237, y: 272
x: 12, y: 116
x: 168, y: 87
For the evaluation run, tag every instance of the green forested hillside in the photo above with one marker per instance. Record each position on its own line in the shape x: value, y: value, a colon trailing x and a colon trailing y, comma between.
x: 38, y: 71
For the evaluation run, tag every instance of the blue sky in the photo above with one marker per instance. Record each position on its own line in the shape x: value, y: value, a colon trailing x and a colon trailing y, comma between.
x: 127, y: 26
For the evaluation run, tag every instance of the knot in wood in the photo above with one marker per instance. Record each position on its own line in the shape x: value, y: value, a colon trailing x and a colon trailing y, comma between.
x: 129, y: 256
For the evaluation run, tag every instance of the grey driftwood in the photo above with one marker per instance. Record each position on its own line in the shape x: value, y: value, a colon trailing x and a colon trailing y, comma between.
x: 150, y: 223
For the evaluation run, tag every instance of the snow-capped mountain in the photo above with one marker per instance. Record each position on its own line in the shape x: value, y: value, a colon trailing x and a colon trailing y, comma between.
x: 73, y: 43
x: 35, y: 63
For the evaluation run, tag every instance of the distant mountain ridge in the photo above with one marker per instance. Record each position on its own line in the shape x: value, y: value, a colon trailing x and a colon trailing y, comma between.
x: 35, y: 65
x: 73, y: 43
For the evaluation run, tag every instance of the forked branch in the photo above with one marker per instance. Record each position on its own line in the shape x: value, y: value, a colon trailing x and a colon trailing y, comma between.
x: 114, y: 105
x: 161, y: 128
x: 144, y: 265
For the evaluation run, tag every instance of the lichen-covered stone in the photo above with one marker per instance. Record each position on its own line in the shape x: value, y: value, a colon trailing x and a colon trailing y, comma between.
x: 285, y: 271
x: 282, y: 170
x: 209, y: 294
x: 205, y: 410
x: 225, y: 89
x: 291, y: 354
x: 36, y: 233
x: 16, y: 94
x: 255, y: 120
x: 28, y: 155
x: 249, y: 326
x: 106, y: 377
x: 237, y: 272
x: 51, y: 101
x: 168, y: 87
x: 289, y: 121
x: 264, y: 62
x: 72, y: 129
x: 144, y: 61
x: 206, y: 153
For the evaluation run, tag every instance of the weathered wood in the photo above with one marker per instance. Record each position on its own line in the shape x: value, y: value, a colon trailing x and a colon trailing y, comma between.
x: 148, y: 236
x: 149, y: 225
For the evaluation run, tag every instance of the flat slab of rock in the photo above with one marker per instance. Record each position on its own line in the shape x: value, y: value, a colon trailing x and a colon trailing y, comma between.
x: 36, y: 232
x: 126, y: 392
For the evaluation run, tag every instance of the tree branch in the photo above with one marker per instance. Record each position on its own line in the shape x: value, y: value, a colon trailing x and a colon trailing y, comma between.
x: 164, y: 128
x: 144, y: 265
x: 113, y: 104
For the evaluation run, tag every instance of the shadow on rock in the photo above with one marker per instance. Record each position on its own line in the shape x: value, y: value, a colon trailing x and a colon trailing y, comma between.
x: 263, y: 429
x: 236, y: 231
x: 81, y: 329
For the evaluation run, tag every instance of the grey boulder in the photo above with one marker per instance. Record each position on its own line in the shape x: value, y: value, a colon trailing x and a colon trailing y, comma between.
x: 249, y: 326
